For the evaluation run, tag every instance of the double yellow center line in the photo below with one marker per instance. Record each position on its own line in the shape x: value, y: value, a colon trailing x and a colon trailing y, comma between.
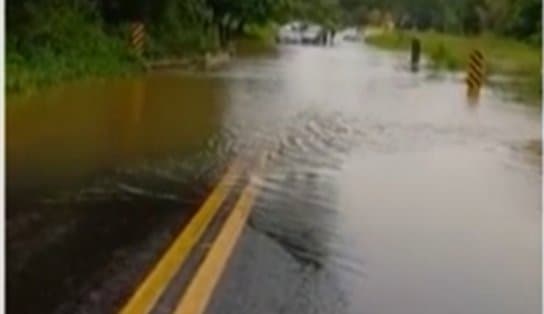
x: 200, y: 289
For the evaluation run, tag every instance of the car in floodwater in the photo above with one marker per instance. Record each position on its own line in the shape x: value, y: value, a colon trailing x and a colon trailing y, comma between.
x: 289, y: 36
x: 351, y: 34
x: 312, y: 34
x: 290, y: 33
x: 300, y: 33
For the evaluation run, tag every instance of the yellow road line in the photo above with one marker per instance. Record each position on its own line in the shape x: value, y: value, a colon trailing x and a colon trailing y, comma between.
x: 199, y: 292
x: 149, y: 291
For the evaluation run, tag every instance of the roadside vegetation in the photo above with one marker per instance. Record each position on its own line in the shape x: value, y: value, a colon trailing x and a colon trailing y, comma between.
x: 49, y: 41
x: 58, y: 40
x: 520, y: 61
x: 509, y: 33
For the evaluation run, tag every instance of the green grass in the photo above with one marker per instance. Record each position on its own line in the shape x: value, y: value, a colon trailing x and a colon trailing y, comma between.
x: 25, y: 73
x: 256, y: 38
x: 60, y: 44
x: 263, y: 33
x: 61, y: 41
x: 504, y: 56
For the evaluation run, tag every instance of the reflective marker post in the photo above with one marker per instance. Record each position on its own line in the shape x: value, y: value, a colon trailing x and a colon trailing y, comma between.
x: 137, y: 39
x: 475, y: 75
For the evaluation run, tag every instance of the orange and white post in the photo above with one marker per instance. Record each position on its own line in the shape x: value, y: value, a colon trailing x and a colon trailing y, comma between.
x: 137, y: 38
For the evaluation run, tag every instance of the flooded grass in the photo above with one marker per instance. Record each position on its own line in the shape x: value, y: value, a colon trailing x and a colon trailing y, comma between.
x: 520, y: 61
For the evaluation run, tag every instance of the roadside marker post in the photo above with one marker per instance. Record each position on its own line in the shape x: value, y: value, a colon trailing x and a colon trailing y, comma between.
x: 137, y: 37
x: 476, y: 74
x: 416, y: 52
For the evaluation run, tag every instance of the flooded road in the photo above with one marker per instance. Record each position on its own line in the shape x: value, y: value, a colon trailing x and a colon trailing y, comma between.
x: 386, y: 192
x: 101, y: 176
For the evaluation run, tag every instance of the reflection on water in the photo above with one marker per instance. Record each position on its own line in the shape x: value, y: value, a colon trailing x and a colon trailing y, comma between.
x: 376, y: 173
x: 72, y: 132
x: 93, y: 170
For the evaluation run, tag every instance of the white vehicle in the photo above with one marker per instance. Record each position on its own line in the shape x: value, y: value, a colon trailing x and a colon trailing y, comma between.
x: 300, y: 33
x: 351, y: 34
x: 288, y: 35
x: 311, y: 34
x: 295, y: 26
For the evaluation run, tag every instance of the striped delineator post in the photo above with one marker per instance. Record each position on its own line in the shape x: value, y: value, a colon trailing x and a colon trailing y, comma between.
x: 137, y: 37
x: 476, y: 74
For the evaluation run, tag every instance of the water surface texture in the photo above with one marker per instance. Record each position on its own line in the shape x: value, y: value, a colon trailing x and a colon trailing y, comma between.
x: 386, y: 191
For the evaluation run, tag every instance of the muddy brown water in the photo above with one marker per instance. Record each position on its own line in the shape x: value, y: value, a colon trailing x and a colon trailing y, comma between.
x: 412, y: 200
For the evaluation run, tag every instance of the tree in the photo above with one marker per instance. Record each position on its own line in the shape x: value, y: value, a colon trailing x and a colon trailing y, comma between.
x: 230, y: 17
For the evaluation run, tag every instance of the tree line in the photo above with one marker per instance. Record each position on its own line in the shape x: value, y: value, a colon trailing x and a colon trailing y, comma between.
x: 180, y: 23
x: 200, y: 24
x: 521, y: 19
x: 50, y: 40
x: 53, y: 40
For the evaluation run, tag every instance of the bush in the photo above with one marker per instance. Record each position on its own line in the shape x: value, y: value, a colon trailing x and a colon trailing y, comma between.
x: 169, y: 40
x: 62, y: 41
x: 443, y: 57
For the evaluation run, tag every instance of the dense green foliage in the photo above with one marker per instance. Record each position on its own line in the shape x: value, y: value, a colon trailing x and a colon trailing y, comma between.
x: 520, y: 19
x: 53, y: 40
x: 508, y: 31
x: 324, y: 12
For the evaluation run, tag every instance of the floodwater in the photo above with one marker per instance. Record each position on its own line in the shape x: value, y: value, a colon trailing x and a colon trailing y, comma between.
x: 386, y: 191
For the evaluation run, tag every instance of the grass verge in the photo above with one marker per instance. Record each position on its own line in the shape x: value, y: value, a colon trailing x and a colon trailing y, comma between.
x: 521, y: 62
x: 61, y: 41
